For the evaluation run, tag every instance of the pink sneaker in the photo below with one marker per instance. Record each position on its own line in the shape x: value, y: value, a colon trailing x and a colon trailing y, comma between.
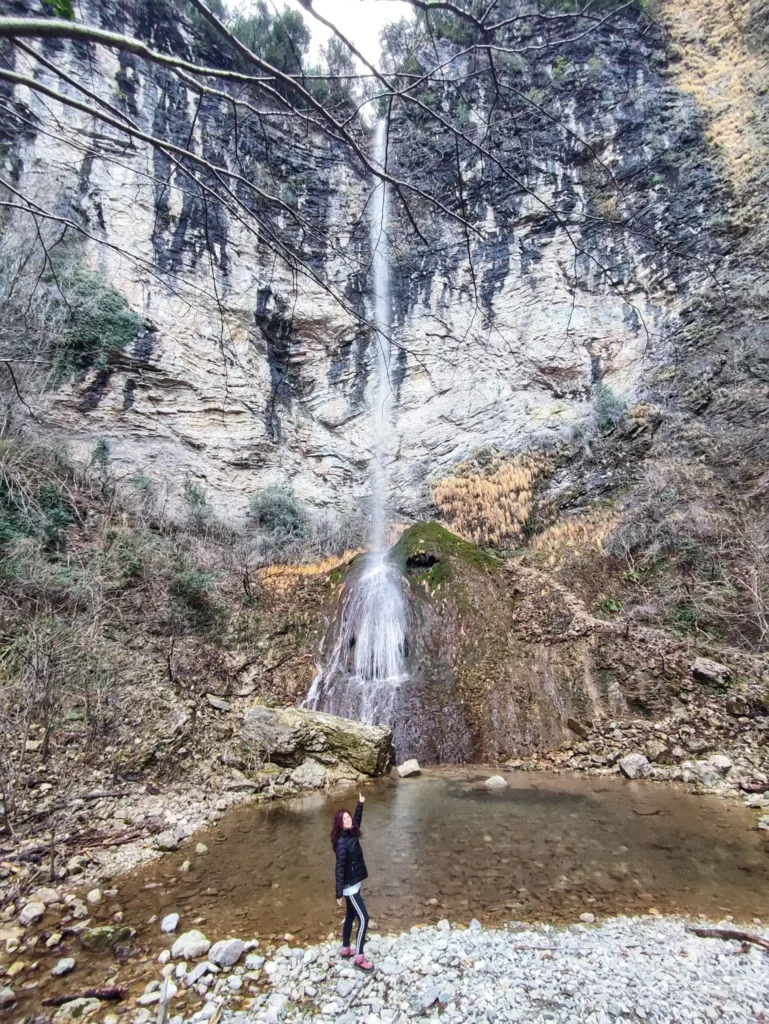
x: 347, y: 951
x: 363, y: 964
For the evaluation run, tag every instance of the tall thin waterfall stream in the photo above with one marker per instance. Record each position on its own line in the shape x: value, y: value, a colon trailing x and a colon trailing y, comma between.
x: 365, y: 664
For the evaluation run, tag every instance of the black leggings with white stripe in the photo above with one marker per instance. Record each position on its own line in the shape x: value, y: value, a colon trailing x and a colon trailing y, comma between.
x: 356, y: 908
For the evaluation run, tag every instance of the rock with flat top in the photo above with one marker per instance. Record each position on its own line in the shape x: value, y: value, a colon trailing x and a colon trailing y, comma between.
x: 709, y: 671
x: 635, y: 766
x: 46, y: 896
x: 409, y: 768
x: 289, y: 736
x: 64, y: 966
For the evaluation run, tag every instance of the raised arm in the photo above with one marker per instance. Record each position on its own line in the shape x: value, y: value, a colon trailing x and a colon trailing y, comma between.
x: 359, y: 811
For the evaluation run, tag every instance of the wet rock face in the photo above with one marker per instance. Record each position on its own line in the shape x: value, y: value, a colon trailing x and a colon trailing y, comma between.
x: 244, y: 380
x: 491, y: 673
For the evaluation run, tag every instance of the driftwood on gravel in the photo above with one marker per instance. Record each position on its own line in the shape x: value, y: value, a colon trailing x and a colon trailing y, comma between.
x: 113, y: 994
x: 731, y: 933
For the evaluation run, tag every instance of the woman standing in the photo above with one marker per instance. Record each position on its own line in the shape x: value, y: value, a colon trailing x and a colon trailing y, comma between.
x: 350, y: 873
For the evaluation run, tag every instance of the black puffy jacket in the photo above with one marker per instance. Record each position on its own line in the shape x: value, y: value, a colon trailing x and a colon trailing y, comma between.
x: 350, y: 865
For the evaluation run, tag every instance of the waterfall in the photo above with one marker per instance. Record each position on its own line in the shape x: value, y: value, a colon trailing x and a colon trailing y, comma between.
x: 365, y: 665
x: 379, y: 214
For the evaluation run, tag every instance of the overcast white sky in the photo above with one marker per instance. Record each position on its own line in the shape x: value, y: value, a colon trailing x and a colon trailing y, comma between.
x: 360, y: 20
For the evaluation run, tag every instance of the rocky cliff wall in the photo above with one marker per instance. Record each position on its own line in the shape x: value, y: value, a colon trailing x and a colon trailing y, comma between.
x: 251, y: 373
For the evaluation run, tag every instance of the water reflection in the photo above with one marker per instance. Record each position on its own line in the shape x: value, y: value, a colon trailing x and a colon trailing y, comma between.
x: 547, y: 848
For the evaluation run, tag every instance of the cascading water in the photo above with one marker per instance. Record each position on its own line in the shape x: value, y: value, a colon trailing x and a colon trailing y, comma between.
x: 365, y: 666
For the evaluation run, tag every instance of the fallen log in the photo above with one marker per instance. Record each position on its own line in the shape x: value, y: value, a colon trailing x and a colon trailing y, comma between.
x: 113, y: 994
x: 731, y: 933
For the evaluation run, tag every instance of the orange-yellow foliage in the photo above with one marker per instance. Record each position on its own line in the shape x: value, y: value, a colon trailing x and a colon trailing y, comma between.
x: 490, y: 505
x: 283, y: 575
x: 573, y: 536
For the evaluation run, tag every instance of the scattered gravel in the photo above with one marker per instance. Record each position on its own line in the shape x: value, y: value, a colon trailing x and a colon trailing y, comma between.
x: 621, y: 971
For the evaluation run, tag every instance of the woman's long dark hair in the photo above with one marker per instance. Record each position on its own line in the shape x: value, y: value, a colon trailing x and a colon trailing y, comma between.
x: 337, y: 827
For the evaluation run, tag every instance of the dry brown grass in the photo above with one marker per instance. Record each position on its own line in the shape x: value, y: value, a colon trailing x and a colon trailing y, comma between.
x: 723, y: 72
x: 282, y: 576
x: 577, y: 536
x: 490, y: 505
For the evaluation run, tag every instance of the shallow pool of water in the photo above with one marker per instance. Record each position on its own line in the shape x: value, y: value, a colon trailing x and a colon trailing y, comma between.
x: 547, y: 848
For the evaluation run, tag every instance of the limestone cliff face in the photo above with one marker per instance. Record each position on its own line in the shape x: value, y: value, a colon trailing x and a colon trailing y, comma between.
x: 249, y: 373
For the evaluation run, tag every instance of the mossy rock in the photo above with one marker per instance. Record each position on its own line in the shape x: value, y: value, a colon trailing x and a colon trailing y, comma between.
x: 430, y: 554
x: 106, y: 936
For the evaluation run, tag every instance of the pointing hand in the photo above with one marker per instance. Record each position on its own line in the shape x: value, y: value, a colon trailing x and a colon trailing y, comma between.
x: 361, y: 798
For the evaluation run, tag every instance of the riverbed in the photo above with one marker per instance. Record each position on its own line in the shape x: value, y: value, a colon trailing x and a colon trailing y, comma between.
x: 440, y: 846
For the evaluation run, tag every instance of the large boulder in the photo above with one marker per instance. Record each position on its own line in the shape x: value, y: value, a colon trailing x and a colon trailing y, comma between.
x: 289, y: 736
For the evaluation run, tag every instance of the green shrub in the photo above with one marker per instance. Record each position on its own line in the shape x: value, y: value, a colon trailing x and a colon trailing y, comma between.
x: 200, y: 514
x: 57, y: 515
x: 99, y: 321
x: 609, y: 407
x: 191, y: 586
x: 276, y: 510
x: 560, y: 65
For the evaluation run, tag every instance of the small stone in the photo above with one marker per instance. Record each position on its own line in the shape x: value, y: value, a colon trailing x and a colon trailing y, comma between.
x: 235, y: 983
x: 64, y: 966
x: 164, y: 956
x: 169, y: 923
x: 578, y: 728
x: 495, y: 782
x: 79, y: 1010
x: 218, y: 702
x: 587, y: 917
x: 185, y: 867
x: 190, y: 946
x: 658, y: 751
x: 254, y: 962
x: 226, y: 953
x: 31, y: 912
x: 200, y: 849
x: 345, y: 987
x: 475, y: 925
x: 721, y: 763
x: 167, y: 842
x: 635, y: 766
x: 94, y: 896
x: 428, y: 998
x: 409, y: 768
x: 46, y: 896
x: 148, y: 999
x: 7, y: 997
